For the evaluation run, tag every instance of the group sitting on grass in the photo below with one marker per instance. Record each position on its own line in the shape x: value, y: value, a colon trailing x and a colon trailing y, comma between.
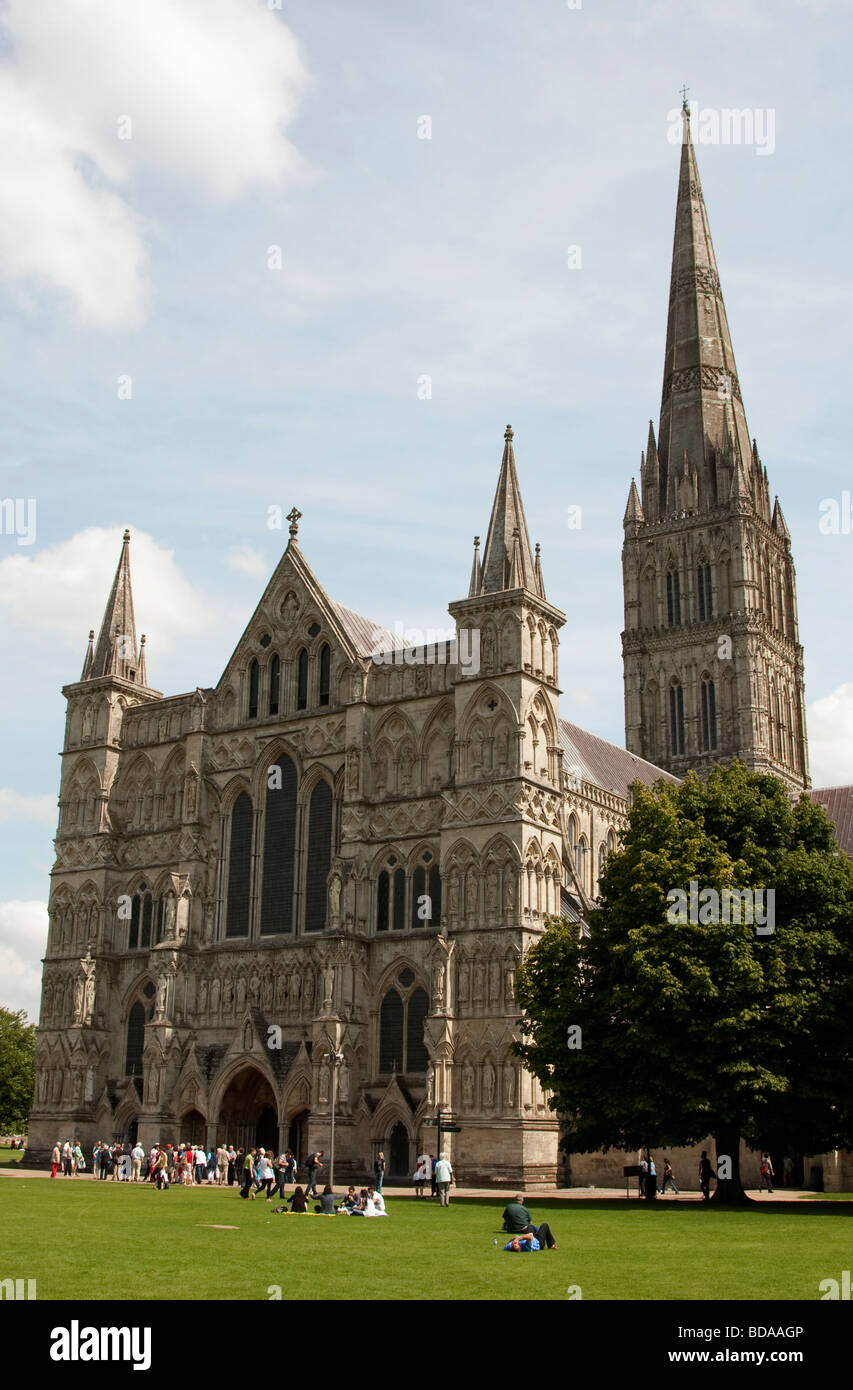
x: 525, y: 1237
x: 367, y: 1202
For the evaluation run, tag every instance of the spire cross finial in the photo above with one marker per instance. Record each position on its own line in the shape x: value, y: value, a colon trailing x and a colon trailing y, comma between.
x: 684, y: 106
x: 293, y: 517
x: 508, y: 432
x: 476, y: 542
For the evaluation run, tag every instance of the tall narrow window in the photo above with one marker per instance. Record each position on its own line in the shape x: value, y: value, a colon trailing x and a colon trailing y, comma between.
x: 135, y: 914
x: 705, y: 592
x: 325, y: 673
x: 239, y: 867
x: 419, y: 893
x: 401, y: 1029
x: 673, y: 598
x: 302, y: 680
x: 279, y: 848
x: 275, y: 684
x: 254, y: 676
x: 319, y: 857
x: 676, y: 720
x: 417, y: 1008
x: 709, y: 716
x: 135, y: 1040
x: 147, y: 919
x: 391, y: 1033
x: 399, y: 913
x: 435, y: 894
x: 383, y: 901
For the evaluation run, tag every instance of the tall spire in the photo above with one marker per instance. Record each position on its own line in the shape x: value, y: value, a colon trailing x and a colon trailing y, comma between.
x: 700, y: 375
x: 116, y: 651
x: 507, y: 558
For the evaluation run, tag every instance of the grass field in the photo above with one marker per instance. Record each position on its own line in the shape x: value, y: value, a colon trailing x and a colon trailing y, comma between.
x: 81, y: 1239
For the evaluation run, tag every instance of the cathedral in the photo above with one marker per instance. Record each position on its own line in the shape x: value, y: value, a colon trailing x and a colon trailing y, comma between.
x: 307, y: 890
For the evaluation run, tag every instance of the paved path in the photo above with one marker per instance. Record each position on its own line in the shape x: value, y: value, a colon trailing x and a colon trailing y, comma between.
x: 495, y: 1194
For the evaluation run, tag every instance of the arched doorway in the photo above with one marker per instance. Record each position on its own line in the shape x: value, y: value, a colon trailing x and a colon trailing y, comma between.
x: 192, y: 1127
x: 133, y: 1132
x: 266, y: 1131
x: 297, y: 1135
x: 398, y: 1156
x: 248, y: 1114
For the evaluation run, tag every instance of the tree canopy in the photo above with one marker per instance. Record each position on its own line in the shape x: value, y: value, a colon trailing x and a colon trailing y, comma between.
x: 17, y: 1045
x: 692, y: 1022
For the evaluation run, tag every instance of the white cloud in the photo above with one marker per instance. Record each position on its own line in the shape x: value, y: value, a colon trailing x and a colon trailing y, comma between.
x: 204, y: 88
x: 243, y: 559
x: 14, y: 806
x: 63, y: 589
x: 829, y: 722
x: 23, y: 936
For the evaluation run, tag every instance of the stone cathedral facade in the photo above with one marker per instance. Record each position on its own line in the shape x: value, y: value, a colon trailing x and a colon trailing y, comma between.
x: 350, y: 844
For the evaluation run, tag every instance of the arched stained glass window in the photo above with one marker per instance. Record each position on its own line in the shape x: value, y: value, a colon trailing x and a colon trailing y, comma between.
x: 319, y: 856
x: 279, y: 848
x: 239, y: 867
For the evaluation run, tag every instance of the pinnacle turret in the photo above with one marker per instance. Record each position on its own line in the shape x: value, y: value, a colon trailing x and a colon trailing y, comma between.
x: 507, y: 557
x: 115, y: 653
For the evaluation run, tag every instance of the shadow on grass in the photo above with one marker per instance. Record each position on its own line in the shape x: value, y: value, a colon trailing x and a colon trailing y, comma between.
x: 809, y: 1205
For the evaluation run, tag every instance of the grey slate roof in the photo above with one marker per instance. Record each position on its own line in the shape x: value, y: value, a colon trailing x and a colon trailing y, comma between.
x: 838, y: 803
x: 595, y: 760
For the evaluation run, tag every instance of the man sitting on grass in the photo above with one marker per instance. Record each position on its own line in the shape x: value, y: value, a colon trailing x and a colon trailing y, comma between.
x: 518, y: 1221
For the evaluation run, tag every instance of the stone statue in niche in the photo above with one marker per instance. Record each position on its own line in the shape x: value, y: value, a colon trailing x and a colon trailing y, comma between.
x: 468, y: 1086
x: 162, y: 989
x: 492, y: 891
x: 509, y: 985
x: 438, y: 984
x: 479, y: 982
x: 202, y: 997
x: 267, y: 992
x: 453, y: 893
x: 488, y: 1085
x: 464, y: 982
x: 227, y: 995
x: 352, y: 770
x: 509, y: 892
x: 241, y: 994
x: 335, y: 897
x: 509, y: 1087
x: 308, y: 991
x: 495, y: 981
x: 255, y: 991
x: 88, y: 722
x: 215, y: 992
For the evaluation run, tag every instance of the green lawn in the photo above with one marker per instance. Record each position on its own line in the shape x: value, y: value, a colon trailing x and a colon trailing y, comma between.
x: 9, y: 1156
x: 83, y: 1239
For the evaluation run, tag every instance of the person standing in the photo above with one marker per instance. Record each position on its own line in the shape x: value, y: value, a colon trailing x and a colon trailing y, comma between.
x: 706, y: 1172
x: 314, y: 1164
x: 264, y: 1174
x: 766, y: 1171
x: 232, y: 1162
x: 96, y: 1160
x: 419, y: 1177
x: 443, y: 1179
x: 289, y: 1167
x: 55, y: 1160
x: 248, y: 1177
x: 378, y: 1171
x: 651, y: 1178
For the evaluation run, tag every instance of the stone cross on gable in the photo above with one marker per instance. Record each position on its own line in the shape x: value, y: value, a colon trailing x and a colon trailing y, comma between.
x: 293, y: 517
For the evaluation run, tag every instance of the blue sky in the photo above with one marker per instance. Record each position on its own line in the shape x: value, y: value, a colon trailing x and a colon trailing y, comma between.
x: 252, y: 128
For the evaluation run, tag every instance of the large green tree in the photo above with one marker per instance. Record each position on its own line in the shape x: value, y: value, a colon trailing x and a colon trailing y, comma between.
x: 706, y: 1026
x: 17, y: 1045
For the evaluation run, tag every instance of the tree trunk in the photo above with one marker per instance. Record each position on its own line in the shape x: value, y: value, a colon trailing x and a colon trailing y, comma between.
x: 729, y: 1189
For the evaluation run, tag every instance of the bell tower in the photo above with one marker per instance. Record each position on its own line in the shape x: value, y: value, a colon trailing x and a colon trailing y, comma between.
x: 712, y: 659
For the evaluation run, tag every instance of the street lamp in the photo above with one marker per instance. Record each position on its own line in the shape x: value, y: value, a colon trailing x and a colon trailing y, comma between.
x: 334, y: 1058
